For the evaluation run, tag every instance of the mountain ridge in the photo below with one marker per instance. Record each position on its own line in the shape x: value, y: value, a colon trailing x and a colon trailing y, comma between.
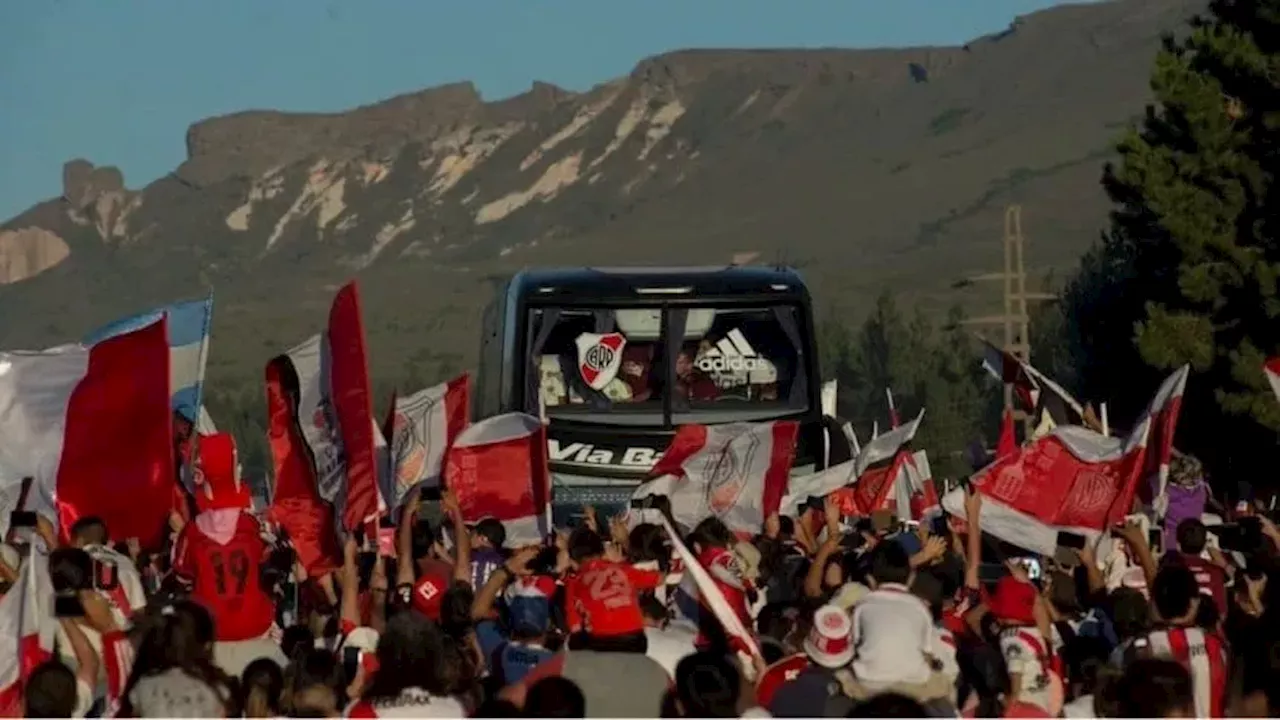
x: 866, y: 168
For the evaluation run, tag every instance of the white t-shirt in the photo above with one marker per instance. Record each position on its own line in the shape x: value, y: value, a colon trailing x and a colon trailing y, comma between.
x: 1081, y: 707
x: 412, y: 703
x: 893, y: 633
x: 669, y: 645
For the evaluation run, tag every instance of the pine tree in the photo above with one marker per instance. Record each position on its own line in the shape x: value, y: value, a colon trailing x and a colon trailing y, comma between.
x: 1188, y: 271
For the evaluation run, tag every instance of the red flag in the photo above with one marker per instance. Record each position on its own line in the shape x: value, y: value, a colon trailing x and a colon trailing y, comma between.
x: 498, y: 468
x: 1008, y: 444
x: 92, y: 426
x: 296, y: 504
x: 1071, y: 479
x: 353, y: 405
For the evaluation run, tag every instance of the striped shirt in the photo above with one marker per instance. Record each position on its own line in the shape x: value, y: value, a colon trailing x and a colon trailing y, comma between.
x: 1204, y: 654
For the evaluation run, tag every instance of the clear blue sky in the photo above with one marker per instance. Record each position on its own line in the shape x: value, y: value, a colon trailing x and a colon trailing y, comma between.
x: 118, y: 81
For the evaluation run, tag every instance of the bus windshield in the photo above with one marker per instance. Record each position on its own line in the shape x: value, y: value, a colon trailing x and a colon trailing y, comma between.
x: 610, y: 366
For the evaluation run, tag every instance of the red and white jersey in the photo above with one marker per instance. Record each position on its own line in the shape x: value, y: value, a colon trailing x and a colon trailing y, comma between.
x: 1027, y: 655
x: 1204, y: 654
x: 411, y: 703
x: 221, y: 554
x: 723, y: 567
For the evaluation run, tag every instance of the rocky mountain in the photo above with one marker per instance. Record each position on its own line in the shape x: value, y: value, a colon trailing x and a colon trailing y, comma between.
x: 866, y: 168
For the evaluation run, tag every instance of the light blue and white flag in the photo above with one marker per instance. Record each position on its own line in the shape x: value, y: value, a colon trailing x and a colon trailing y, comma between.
x: 188, y: 327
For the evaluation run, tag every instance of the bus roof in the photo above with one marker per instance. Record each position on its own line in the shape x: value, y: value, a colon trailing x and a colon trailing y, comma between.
x: 671, y: 283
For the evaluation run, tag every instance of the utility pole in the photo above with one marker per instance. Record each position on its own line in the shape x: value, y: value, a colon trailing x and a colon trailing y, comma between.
x: 1015, y: 320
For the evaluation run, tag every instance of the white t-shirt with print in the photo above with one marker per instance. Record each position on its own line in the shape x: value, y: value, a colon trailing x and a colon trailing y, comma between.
x: 1023, y: 657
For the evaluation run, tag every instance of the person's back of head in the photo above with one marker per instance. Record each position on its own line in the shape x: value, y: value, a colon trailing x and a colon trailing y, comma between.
x: 297, y: 638
x: 928, y: 587
x: 89, y: 530
x: 492, y: 532
x: 888, y: 705
x: 1175, y: 593
x: 584, y: 544
x: 410, y: 654
x: 1192, y: 536
x: 556, y: 697
x: 311, y: 684
x: 1130, y: 612
x: 708, y: 685
x: 890, y: 564
x: 50, y: 692
x: 1153, y: 688
x: 261, y: 684
x: 710, y: 533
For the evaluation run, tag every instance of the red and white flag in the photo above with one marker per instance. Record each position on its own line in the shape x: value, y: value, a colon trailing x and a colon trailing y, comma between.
x: 1072, y: 479
x: 894, y: 420
x: 1162, y: 415
x: 335, y: 412
x: 863, y: 480
x: 421, y: 427
x: 93, y: 427
x: 498, y: 468
x: 1272, y: 370
x: 296, y: 504
x: 27, y: 630
x: 736, y: 472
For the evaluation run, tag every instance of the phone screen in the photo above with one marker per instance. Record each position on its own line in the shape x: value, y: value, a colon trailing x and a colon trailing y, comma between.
x: 1071, y: 540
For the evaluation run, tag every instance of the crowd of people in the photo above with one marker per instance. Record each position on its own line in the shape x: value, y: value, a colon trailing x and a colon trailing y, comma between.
x: 847, y: 617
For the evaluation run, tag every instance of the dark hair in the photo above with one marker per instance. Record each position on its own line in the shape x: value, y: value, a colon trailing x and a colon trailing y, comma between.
x: 555, y: 697
x: 70, y: 569
x: 708, y: 685
x: 886, y: 705
x: 295, y: 639
x: 312, y: 667
x: 928, y: 588
x: 1192, y: 536
x: 262, y: 681
x: 175, y: 635
x: 648, y: 543
x: 1153, y: 688
x: 1130, y: 612
x: 1063, y: 593
x: 493, y: 530
x: 50, y: 691
x: 423, y: 537
x: 90, y: 530
x: 410, y: 654
x: 494, y: 707
x: 455, y: 610
x: 890, y: 564
x: 709, y: 533
x: 585, y: 543
x: 1174, y: 591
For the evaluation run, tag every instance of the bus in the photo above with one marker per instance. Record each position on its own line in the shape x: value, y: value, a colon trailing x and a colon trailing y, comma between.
x: 618, y: 358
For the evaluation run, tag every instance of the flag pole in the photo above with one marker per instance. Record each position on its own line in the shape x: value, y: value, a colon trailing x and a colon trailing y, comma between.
x: 188, y: 473
x: 1106, y: 426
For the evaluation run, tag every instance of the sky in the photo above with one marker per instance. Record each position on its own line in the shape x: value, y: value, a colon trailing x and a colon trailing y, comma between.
x: 119, y: 82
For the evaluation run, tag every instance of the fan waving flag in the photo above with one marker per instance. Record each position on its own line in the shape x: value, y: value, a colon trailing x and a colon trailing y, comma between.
x: 1073, y: 479
x: 421, y: 427
x: 188, y: 327
x: 498, y: 468
x: 1051, y: 404
x: 736, y: 472
x: 93, y: 428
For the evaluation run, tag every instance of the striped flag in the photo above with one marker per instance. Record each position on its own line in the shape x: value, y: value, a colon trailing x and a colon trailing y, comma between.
x: 1272, y: 370
x: 188, y: 328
